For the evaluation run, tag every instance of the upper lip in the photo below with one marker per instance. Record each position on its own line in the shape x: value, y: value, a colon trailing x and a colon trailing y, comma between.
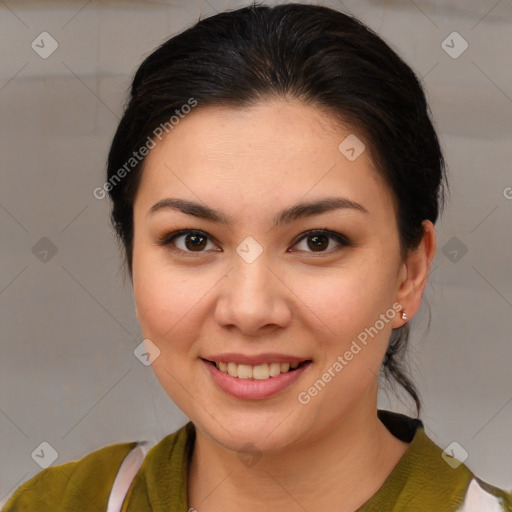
x: 255, y: 360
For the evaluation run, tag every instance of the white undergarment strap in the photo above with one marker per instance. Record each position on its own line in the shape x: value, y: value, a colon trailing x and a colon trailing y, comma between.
x: 479, y: 500
x: 129, y: 468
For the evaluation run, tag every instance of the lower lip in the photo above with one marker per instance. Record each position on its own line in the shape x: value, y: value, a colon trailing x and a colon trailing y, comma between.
x: 254, y: 389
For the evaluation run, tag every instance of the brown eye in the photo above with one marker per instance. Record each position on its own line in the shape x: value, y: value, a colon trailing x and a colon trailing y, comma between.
x: 194, y: 241
x: 189, y: 241
x: 319, y: 240
x: 186, y: 240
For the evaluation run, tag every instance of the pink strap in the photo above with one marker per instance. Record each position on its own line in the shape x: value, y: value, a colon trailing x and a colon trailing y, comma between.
x: 129, y: 468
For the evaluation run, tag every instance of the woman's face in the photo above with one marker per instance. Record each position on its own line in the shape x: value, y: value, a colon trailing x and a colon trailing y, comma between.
x: 258, y: 292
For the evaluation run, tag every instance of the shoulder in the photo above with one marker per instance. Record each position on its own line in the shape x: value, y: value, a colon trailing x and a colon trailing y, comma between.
x: 86, y: 484
x: 163, y: 475
x: 67, y: 486
x: 483, y: 496
x: 435, y: 478
x: 455, y: 483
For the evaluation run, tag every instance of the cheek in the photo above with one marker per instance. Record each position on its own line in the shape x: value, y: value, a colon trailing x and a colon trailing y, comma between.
x: 349, y: 299
x: 161, y: 304
x: 349, y: 304
x: 170, y: 301
x: 350, y: 348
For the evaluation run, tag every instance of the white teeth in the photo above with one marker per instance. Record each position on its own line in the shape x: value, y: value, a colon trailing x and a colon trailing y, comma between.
x: 244, y: 371
x: 274, y: 369
x: 232, y: 367
x: 259, y: 372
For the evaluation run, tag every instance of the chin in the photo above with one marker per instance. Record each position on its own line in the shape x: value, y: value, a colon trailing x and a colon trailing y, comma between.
x: 260, y: 432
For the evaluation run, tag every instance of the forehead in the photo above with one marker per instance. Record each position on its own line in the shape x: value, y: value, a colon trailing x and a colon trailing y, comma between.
x: 257, y: 155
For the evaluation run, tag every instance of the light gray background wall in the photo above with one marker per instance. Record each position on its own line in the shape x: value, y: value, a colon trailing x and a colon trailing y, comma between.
x: 68, y: 329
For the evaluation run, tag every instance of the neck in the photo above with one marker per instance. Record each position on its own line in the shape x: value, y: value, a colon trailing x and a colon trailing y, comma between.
x: 340, y: 468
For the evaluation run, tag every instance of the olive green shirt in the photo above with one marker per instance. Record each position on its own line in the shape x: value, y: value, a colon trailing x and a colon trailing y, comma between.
x: 421, y: 481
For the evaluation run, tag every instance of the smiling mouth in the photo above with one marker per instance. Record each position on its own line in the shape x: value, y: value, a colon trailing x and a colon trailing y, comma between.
x: 258, y: 372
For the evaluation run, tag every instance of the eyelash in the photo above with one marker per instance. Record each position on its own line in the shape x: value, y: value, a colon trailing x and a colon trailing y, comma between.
x: 168, y: 239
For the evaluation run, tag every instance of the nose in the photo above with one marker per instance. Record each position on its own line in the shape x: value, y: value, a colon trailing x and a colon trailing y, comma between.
x: 253, y: 298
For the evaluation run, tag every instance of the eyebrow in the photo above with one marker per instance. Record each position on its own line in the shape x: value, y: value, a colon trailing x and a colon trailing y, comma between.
x: 286, y: 216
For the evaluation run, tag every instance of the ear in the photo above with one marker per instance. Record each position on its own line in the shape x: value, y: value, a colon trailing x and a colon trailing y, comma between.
x: 414, y: 273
